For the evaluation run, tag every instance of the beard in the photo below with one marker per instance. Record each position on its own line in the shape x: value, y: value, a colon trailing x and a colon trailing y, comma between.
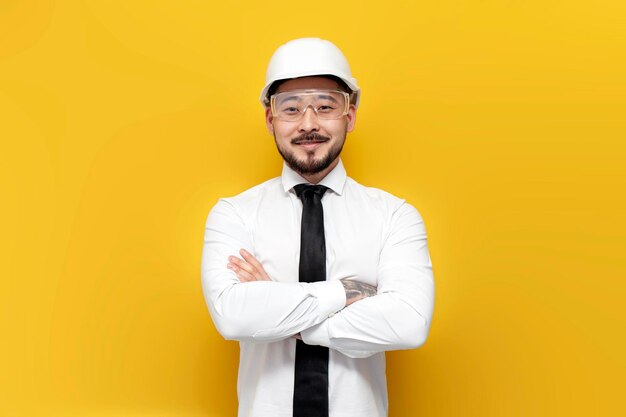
x: 310, y: 165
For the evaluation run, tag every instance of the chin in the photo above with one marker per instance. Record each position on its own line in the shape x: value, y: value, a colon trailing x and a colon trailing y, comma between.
x: 310, y: 162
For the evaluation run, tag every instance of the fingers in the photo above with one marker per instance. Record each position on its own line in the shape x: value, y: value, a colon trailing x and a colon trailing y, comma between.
x: 256, y: 264
x: 244, y: 271
x: 242, y: 274
x: 240, y: 264
x: 247, y: 269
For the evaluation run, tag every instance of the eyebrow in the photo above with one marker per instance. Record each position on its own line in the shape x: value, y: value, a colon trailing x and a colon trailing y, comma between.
x: 331, y: 98
x: 297, y: 97
x: 290, y: 98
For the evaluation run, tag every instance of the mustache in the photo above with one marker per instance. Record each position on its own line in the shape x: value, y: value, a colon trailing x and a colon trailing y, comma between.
x: 309, y: 137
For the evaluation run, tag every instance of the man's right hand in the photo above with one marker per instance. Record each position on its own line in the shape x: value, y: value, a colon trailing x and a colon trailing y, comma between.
x: 247, y: 269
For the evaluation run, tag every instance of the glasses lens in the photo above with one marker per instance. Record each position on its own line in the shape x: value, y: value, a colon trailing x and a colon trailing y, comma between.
x: 327, y: 104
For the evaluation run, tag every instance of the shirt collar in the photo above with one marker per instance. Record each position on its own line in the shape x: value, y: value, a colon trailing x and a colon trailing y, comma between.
x: 335, y: 179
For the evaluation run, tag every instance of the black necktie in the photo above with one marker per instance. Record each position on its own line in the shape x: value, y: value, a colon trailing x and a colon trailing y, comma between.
x: 310, y: 396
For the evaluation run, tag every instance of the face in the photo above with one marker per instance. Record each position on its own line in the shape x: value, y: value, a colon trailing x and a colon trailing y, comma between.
x: 310, y: 146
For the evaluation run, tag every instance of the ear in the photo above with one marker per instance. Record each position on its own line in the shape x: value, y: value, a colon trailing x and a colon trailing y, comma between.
x: 351, y: 118
x: 269, y: 119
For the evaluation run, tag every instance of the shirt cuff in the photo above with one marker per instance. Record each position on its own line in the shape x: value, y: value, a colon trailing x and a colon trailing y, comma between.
x: 331, y: 296
x: 316, y: 335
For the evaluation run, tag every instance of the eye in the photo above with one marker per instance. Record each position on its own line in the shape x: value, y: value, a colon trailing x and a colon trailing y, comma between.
x: 290, y: 110
x: 325, y: 108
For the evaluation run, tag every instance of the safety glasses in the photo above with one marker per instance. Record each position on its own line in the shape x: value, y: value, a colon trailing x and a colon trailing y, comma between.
x: 290, y: 106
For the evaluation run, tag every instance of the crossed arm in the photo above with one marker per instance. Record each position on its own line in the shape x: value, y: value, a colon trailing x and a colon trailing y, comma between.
x: 248, y: 269
x: 346, y: 315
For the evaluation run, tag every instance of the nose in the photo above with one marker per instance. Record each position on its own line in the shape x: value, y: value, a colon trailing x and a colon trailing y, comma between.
x: 309, y: 122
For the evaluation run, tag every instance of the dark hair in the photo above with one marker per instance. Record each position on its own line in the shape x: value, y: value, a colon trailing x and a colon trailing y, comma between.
x: 342, y: 86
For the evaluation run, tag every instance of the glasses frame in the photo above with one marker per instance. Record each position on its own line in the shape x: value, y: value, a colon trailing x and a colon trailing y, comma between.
x: 311, y: 91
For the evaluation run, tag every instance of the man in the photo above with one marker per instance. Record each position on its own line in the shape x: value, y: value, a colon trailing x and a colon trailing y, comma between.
x: 314, y: 274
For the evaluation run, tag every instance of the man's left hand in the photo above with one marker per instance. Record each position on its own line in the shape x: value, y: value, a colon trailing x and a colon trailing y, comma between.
x: 247, y: 269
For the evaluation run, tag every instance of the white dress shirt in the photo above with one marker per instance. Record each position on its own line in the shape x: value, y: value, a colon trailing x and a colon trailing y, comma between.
x: 372, y: 237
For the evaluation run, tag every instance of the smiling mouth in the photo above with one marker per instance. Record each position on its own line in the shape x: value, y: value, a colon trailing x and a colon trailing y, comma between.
x: 309, y: 139
x: 309, y: 142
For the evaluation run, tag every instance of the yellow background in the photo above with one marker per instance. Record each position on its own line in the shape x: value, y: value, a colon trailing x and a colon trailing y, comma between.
x: 122, y: 122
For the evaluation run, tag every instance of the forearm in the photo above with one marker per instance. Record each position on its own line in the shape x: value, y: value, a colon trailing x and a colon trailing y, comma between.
x: 356, y: 291
x: 388, y: 321
x: 256, y: 311
x: 270, y: 311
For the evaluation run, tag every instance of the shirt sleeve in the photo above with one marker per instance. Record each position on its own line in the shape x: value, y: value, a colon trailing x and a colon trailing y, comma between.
x: 399, y: 316
x: 260, y: 311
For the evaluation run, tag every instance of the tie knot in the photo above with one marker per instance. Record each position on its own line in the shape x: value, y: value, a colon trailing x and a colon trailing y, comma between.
x: 305, y: 190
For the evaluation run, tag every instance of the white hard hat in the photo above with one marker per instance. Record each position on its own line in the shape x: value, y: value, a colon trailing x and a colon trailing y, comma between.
x: 308, y: 57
